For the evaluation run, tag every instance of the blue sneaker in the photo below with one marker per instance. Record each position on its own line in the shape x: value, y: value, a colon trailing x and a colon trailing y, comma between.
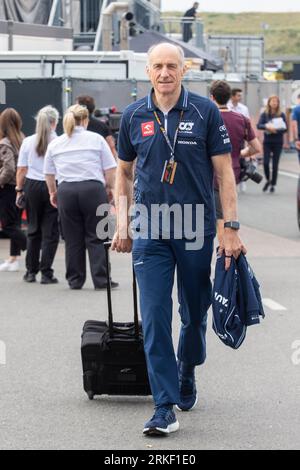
x: 187, y: 387
x: 162, y: 422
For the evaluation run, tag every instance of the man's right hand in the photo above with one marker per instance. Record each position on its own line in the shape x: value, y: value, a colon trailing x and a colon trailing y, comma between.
x: 121, y: 245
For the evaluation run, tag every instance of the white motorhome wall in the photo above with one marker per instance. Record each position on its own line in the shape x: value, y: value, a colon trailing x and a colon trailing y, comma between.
x: 3, y: 42
x: 28, y: 37
x: 95, y: 66
x: 24, y: 70
x: 29, y: 43
x: 91, y: 71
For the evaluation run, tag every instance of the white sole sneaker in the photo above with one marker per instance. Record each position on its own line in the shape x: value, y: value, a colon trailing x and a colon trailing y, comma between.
x: 14, y: 269
x: 3, y: 267
x: 161, y: 431
x: 10, y: 267
x: 190, y: 409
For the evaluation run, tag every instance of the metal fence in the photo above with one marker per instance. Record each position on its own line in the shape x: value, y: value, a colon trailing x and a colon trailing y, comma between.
x: 28, y: 96
x: 123, y: 92
x: 241, y: 54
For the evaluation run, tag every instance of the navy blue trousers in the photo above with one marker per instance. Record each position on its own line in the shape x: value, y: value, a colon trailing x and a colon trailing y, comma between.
x: 274, y: 151
x: 154, y: 263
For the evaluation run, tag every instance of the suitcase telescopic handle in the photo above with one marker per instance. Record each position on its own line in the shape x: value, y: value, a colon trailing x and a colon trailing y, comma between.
x: 107, y: 245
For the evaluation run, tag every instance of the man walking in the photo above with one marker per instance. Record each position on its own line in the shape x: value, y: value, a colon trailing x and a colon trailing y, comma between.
x: 95, y: 125
x: 235, y: 104
x: 240, y: 131
x: 178, y: 140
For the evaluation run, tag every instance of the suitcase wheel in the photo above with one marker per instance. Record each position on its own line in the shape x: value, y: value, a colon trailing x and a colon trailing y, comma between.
x: 90, y: 395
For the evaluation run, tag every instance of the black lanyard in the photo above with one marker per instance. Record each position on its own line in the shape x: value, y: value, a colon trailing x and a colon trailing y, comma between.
x: 165, y: 134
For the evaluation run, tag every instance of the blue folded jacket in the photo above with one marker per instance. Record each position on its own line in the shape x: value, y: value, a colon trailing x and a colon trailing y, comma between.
x: 236, y: 301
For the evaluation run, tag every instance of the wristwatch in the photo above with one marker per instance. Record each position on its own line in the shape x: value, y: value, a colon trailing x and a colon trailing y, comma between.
x: 233, y: 224
x: 18, y: 190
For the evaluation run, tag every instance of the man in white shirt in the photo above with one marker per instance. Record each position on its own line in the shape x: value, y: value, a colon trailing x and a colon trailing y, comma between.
x: 235, y: 103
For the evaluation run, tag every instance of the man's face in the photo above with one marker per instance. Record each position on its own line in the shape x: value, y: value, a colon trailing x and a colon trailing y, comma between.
x: 237, y: 98
x: 165, y: 70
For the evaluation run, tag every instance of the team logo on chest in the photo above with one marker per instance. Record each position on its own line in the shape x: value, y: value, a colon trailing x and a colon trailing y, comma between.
x: 186, y: 127
x: 148, y: 128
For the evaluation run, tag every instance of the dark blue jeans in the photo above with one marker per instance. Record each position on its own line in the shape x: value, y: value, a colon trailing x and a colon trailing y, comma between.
x: 154, y: 263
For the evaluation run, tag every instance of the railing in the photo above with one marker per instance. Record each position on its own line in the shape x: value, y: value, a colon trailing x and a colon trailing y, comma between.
x: 89, y: 13
x: 173, y: 27
x: 147, y: 16
x: 97, y: 39
x: 56, y: 14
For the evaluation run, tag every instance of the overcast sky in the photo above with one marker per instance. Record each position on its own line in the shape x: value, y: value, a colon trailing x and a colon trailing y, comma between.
x: 233, y: 5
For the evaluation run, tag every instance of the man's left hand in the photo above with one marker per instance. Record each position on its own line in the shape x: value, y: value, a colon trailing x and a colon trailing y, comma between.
x: 231, y: 245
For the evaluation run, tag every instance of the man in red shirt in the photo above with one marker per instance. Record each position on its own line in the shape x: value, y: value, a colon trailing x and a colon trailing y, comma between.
x: 240, y: 131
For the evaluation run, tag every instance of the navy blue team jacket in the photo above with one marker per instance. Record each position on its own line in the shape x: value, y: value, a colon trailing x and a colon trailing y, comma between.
x: 236, y: 300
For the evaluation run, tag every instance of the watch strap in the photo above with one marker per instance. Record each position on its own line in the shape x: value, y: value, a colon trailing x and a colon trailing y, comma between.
x: 233, y: 224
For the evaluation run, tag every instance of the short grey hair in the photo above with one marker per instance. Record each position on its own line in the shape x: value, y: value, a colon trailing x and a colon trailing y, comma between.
x: 179, y: 49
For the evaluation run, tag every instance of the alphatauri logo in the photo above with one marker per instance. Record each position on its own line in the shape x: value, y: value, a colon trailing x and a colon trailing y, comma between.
x: 148, y: 129
x: 186, y: 126
x: 221, y: 299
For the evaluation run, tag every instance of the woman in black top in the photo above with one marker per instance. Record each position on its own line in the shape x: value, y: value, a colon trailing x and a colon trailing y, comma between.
x: 273, y: 122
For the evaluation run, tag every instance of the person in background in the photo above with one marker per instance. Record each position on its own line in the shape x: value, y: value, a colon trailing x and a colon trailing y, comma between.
x: 296, y: 126
x: 85, y: 169
x: 235, y: 103
x: 187, y: 32
x: 43, y: 233
x: 95, y: 125
x: 273, y: 122
x: 10, y: 142
x: 240, y: 131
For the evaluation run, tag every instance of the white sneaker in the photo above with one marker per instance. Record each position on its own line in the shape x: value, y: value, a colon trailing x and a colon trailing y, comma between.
x: 4, y: 266
x: 243, y: 186
x: 10, y: 267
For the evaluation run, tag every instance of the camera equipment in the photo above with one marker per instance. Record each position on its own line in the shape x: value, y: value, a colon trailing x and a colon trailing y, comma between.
x: 248, y: 171
x: 111, y: 117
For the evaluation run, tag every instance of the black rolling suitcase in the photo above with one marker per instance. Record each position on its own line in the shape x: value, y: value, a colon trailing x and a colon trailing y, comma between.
x: 112, y: 353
